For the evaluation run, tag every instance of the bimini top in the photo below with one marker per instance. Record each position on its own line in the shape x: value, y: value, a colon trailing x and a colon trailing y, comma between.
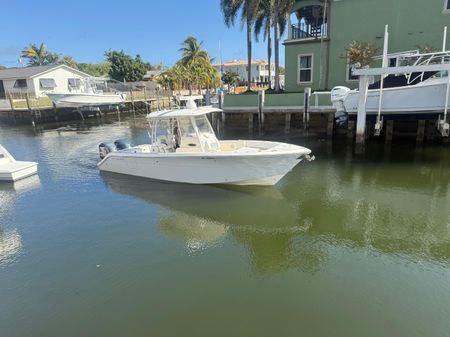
x: 176, y: 113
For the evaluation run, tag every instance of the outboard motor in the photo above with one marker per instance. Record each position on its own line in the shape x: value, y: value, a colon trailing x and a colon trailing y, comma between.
x: 104, y: 149
x: 121, y: 145
x: 338, y: 95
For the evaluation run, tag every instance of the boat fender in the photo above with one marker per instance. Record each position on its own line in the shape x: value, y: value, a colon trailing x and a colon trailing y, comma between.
x: 104, y: 149
x: 121, y: 145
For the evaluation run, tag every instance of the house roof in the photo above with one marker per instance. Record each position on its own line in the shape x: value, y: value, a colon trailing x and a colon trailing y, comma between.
x: 28, y: 72
x: 240, y: 63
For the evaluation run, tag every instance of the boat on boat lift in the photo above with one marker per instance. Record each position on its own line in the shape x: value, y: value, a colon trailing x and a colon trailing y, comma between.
x: 185, y: 149
x: 87, y: 95
x: 418, y: 83
x: 13, y: 170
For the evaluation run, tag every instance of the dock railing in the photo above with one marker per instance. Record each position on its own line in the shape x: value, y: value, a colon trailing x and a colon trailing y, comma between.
x: 318, y: 94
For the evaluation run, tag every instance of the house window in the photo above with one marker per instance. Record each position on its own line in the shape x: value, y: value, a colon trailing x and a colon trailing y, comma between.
x: 447, y: 6
x: 74, y: 83
x: 305, y: 68
x: 350, y: 76
x: 47, y: 83
x: 20, y: 84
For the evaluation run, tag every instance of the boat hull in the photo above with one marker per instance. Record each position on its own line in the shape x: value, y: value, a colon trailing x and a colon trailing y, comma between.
x: 207, y: 168
x: 76, y: 100
x: 17, y: 170
x: 427, y: 97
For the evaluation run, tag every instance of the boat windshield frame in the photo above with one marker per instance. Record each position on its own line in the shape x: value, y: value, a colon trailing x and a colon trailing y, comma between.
x: 197, y: 128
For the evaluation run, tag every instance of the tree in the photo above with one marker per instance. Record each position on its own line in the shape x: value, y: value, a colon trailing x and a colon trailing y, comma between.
x: 264, y: 23
x: 194, y: 69
x: 230, y: 78
x: 69, y: 61
x: 38, y: 56
x: 282, y: 8
x: 124, y: 67
x: 194, y: 59
x: 248, y: 9
x: 95, y: 69
x: 192, y: 51
x: 360, y: 53
x: 2, y: 67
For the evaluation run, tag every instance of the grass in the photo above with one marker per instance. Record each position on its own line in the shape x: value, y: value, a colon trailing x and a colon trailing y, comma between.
x: 41, y: 102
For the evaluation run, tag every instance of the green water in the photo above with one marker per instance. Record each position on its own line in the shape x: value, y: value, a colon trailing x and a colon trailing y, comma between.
x: 343, y: 246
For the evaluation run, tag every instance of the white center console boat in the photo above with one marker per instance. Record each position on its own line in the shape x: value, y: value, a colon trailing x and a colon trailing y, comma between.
x: 185, y: 149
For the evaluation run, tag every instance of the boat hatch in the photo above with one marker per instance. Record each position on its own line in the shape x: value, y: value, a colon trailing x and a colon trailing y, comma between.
x: 183, y: 134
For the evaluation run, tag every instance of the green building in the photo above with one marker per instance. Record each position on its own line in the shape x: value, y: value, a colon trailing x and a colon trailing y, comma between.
x: 321, y: 30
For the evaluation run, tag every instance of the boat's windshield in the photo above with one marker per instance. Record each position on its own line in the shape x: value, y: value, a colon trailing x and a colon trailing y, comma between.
x: 203, y: 125
x: 186, y: 127
x: 183, y: 134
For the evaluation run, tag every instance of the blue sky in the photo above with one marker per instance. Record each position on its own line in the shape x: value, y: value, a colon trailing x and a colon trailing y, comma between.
x: 152, y: 28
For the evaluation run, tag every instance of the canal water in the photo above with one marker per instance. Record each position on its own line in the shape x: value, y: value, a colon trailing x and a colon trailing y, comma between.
x: 343, y: 246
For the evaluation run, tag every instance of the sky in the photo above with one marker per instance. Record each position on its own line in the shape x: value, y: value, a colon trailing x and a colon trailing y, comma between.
x: 85, y: 29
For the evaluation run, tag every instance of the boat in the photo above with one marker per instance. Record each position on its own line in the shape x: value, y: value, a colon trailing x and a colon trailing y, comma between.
x: 185, y: 149
x: 86, y: 93
x: 424, y: 92
x: 13, y: 170
x: 77, y: 100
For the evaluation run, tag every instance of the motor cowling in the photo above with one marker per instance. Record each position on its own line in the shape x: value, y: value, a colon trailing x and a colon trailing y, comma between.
x: 104, y: 149
x: 121, y: 145
x: 338, y: 96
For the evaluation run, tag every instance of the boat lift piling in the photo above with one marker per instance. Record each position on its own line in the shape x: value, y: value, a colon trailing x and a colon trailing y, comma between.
x: 379, y: 122
x: 306, y: 103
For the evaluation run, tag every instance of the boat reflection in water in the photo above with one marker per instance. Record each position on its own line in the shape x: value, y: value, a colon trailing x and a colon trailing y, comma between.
x: 10, y: 245
x: 10, y: 239
x: 301, y: 223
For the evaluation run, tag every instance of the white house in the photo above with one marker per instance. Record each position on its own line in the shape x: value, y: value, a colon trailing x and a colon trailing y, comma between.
x: 39, y: 79
x: 259, y: 71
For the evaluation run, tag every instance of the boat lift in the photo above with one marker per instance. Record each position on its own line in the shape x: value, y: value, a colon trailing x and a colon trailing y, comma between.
x: 429, y: 62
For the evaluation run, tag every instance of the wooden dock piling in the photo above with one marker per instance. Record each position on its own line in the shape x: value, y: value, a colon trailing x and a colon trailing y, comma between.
x: 420, y: 131
x: 389, y: 131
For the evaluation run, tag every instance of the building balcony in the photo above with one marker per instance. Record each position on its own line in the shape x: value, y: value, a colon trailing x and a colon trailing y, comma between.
x: 302, y: 32
x: 311, y: 24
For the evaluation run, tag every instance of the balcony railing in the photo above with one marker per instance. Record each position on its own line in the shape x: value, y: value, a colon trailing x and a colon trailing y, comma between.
x: 308, y: 31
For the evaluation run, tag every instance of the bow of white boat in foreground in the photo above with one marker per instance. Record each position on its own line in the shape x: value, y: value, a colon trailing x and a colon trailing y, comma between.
x: 12, y: 170
x: 185, y: 149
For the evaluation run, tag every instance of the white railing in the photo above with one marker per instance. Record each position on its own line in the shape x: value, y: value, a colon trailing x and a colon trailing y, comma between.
x: 317, y: 94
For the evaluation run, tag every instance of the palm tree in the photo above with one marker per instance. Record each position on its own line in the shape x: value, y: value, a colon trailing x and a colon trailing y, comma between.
x: 230, y: 78
x: 69, y: 61
x: 248, y: 9
x: 38, y: 56
x: 264, y: 22
x: 282, y: 8
x: 192, y: 54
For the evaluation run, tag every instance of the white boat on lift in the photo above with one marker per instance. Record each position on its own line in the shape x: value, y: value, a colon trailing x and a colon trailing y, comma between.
x: 184, y: 148
x: 85, y: 93
x: 77, y: 100
x: 12, y: 170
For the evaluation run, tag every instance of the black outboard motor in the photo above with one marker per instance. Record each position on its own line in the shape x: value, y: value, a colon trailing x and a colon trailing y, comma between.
x: 104, y: 149
x: 121, y: 145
